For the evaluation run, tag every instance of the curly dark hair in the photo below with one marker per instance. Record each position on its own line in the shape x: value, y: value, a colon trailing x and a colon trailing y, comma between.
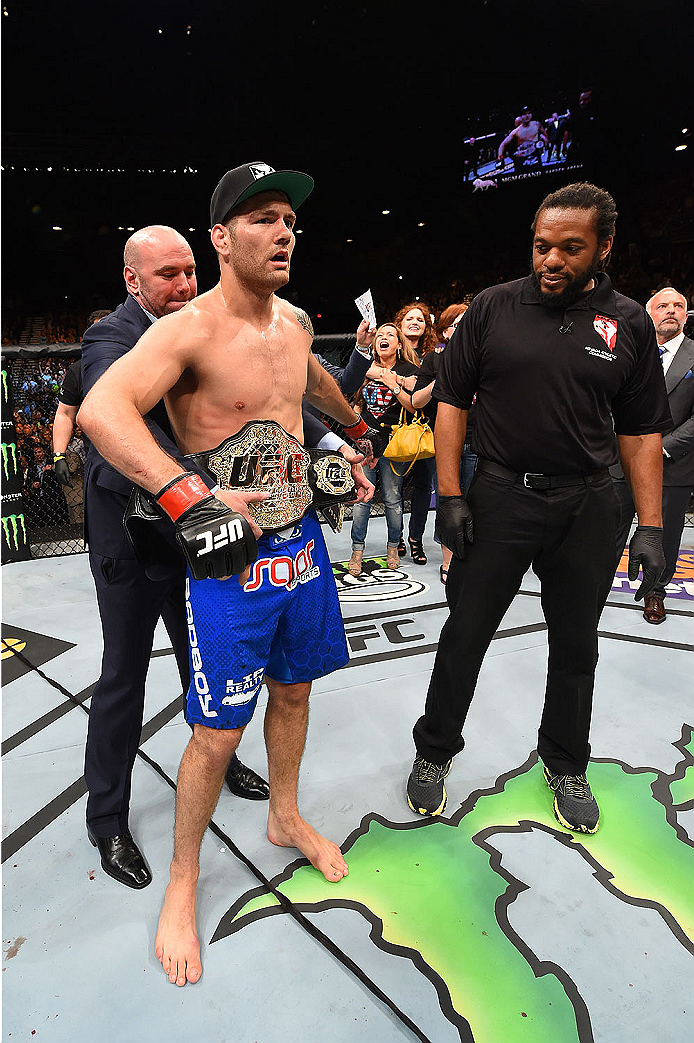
x: 583, y: 196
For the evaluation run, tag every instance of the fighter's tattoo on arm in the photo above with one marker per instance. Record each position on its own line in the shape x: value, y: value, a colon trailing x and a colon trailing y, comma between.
x: 303, y: 319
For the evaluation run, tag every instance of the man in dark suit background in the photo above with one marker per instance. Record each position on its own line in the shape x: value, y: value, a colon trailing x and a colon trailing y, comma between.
x: 555, y: 136
x: 349, y: 378
x: 160, y: 278
x: 668, y: 310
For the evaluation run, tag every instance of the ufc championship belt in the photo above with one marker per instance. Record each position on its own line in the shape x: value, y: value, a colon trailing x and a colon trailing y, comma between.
x: 264, y: 457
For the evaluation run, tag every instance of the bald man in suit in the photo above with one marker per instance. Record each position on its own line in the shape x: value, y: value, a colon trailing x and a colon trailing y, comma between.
x: 668, y: 310
x: 159, y: 274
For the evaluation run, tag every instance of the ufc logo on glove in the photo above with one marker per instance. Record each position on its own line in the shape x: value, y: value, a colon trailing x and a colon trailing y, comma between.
x: 229, y: 532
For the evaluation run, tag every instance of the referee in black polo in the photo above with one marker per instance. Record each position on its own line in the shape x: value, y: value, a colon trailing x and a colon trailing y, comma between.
x: 560, y: 362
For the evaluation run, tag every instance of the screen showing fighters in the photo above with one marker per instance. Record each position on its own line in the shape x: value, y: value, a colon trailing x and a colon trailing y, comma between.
x: 524, y: 141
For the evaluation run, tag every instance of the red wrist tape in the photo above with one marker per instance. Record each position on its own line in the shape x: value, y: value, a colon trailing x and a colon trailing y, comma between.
x: 181, y: 494
x: 357, y: 430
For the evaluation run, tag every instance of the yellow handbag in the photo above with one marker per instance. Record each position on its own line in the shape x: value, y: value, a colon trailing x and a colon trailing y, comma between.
x: 410, y: 441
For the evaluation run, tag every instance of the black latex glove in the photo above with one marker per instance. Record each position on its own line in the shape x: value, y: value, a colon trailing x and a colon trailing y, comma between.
x: 646, y: 551
x: 62, y: 471
x: 454, y: 524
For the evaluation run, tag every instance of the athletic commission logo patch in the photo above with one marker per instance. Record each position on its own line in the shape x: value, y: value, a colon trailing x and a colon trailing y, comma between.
x: 607, y: 328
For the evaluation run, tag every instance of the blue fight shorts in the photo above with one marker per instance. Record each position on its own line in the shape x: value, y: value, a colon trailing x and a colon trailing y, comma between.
x: 285, y: 621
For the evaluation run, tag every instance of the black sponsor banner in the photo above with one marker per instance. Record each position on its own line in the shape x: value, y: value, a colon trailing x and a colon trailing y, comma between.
x: 15, y: 545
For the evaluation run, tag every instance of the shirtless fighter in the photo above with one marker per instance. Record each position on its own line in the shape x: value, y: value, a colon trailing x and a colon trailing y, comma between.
x: 235, y: 354
x: 529, y: 137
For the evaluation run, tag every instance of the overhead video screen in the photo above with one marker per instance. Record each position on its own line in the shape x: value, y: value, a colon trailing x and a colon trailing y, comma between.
x: 530, y: 140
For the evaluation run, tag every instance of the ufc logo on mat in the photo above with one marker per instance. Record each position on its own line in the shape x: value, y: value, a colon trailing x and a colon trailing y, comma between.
x: 229, y: 532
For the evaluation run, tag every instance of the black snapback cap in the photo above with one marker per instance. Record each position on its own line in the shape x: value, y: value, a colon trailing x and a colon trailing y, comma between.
x: 245, y: 181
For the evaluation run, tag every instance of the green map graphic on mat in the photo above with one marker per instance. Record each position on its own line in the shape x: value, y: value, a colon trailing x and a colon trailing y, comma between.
x: 437, y: 891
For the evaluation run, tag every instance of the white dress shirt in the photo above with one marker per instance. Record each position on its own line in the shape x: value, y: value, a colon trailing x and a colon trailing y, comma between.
x: 669, y: 350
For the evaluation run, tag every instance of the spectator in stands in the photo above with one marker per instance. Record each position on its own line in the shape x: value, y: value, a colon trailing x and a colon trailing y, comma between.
x: 45, y: 503
x: 380, y: 401
x: 97, y: 315
x: 446, y: 325
x: 69, y: 401
x: 422, y: 398
x: 414, y: 321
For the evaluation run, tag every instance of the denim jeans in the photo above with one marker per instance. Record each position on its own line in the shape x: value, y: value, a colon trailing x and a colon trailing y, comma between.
x: 468, y: 463
x: 391, y: 491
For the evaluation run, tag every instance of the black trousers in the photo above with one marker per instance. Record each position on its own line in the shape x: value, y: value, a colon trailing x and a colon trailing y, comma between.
x: 567, y: 535
x: 675, y: 502
x: 130, y: 605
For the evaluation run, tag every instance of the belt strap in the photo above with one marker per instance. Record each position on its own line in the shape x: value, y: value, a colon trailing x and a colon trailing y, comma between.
x: 539, y: 481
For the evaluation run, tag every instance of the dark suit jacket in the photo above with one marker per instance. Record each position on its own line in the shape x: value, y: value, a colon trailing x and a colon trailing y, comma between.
x: 349, y: 379
x: 106, y: 491
x: 314, y: 428
x: 679, y: 442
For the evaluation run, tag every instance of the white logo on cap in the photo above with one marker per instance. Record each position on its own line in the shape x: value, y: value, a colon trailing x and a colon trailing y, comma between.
x: 259, y: 170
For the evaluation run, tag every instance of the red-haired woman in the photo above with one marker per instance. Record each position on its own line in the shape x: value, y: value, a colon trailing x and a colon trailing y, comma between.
x: 414, y: 321
x: 422, y: 397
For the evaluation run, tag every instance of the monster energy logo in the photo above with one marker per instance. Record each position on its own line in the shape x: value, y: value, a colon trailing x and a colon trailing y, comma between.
x: 11, y: 524
x: 9, y: 448
x: 5, y: 394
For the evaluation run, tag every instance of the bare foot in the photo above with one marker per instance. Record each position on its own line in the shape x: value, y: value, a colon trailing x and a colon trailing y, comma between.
x: 325, y: 856
x: 176, y: 944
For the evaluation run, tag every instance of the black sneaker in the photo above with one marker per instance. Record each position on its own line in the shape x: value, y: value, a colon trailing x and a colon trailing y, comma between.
x: 426, y: 793
x: 575, y: 807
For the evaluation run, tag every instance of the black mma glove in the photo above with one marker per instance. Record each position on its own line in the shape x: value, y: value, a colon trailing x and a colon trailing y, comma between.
x: 646, y: 550
x: 454, y: 524
x: 216, y: 540
x: 365, y: 448
x: 378, y: 440
x: 362, y: 430
x: 62, y: 471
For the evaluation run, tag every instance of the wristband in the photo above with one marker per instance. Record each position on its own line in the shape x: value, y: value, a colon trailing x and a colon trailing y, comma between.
x: 182, y: 493
x: 356, y: 430
x: 58, y: 456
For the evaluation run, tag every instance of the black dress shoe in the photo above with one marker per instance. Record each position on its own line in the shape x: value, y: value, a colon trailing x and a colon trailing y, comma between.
x: 244, y: 782
x: 654, y: 609
x: 122, y: 859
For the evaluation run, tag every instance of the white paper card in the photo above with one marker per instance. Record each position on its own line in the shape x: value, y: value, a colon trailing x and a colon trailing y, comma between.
x: 365, y: 304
